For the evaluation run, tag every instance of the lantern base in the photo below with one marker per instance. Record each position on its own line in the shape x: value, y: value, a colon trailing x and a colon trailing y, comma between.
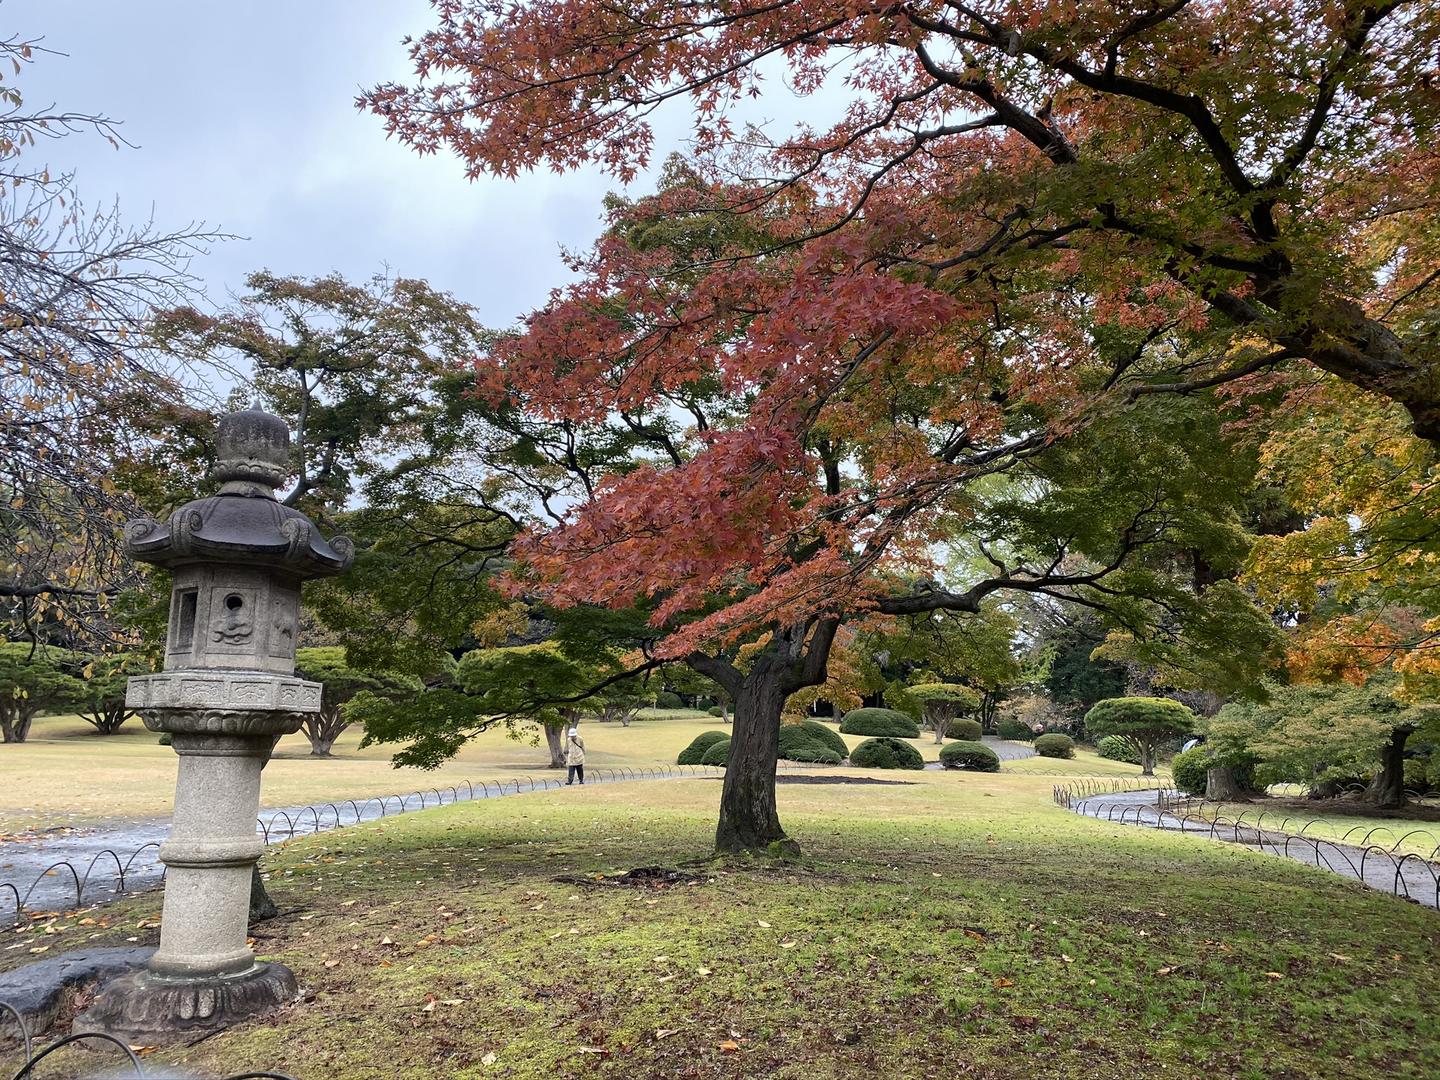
x: 147, y: 1008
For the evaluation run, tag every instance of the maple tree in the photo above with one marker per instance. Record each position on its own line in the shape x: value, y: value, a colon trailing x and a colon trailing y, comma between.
x: 1026, y: 223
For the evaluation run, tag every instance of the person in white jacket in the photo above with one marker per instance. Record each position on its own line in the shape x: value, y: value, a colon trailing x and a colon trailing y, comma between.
x: 575, y: 757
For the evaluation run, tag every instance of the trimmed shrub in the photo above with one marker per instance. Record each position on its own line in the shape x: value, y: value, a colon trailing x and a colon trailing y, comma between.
x: 1118, y: 748
x: 666, y: 700
x: 1014, y: 730
x: 715, y: 710
x: 881, y: 723
x: 810, y: 734
x: 164, y: 739
x: 886, y: 753
x: 1055, y: 745
x: 974, y: 756
x: 705, y: 704
x: 969, y: 730
x: 1189, y: 768
x: 718, y: 753
x: 693, y: 753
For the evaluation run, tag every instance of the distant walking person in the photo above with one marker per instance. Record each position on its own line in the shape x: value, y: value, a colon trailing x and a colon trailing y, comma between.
x: 575, y: 757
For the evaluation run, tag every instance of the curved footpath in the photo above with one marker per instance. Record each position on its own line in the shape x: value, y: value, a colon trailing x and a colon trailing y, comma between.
x: 1411, y: 877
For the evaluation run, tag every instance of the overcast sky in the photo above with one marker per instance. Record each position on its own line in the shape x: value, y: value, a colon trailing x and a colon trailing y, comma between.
x: 242, y: 115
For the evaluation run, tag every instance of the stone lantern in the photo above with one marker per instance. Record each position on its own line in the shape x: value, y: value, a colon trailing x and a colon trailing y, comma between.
x: 227, y: 693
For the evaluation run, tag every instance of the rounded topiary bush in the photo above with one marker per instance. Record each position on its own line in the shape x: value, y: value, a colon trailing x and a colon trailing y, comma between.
x: 886, y: 753
x: 810, y: 736
x: 715, y: 710
x: 666, y: 700
x: 881, y: 723
x: 1189, y: 768
x: 1118, y: 748
x: 969, y: 730
x: 693, y: 753
x: 1014, y: 730
x: 1055, y: 745
x: 974, y: 756
x: 717, y: 753
x: 164, y: 739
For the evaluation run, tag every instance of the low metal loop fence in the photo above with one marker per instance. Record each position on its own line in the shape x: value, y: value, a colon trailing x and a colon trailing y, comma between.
x: 130, y: 1062
x: 278, y: 827
x: 1410, y: 875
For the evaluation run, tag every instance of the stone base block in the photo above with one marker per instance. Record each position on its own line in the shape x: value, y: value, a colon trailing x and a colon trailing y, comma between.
x: 148, y: 1008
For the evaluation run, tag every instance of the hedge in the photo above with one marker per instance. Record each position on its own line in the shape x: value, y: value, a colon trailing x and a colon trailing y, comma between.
x: 666, y: 700
x: 1118, y: 748
x: 882, y: 723
x: 886, y: 753
x: 969, y: 730
x: 1014, y: 730
x: 811, y: 740
x: 718, y: 753
x: 969, y: 755
x: 1055, y: 745
x: 1189, y: 768
x: 693, y: 753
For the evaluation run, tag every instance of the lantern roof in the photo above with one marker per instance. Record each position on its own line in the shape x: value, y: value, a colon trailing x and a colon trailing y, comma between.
x: 243, y: 522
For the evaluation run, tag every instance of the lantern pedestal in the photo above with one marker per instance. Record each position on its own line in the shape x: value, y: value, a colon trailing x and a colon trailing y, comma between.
x: 204, y: 974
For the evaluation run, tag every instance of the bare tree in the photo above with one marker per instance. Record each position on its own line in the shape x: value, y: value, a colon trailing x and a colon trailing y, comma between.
x: 79, y: 388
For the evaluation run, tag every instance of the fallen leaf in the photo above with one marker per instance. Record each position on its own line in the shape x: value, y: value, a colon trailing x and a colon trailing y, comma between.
x: 488, y: 1059
x: 452, y: 1001
x: 729, y: 1046
x: 787, y: 944
x: 665, y: 1033
x: 332, y: 963
x: 702, y: 971
x: 386, y: 941
x: 1164, y: 971
x: 593, y: 1050
x: 1340, y: 957
x: 1273, y: 975
x: 1067, y: 959
x: 763, y: 923
x: 1001, y: 984
x: 665, y: 978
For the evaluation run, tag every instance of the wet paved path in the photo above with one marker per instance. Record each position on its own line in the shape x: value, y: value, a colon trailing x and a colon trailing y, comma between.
x: 1406, y: 876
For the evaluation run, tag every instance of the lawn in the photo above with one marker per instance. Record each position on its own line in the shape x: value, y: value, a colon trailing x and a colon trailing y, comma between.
x: 131, y: 775
x: 938, y: 925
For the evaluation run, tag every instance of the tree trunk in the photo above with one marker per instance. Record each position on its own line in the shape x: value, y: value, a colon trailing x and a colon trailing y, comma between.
x: 261, y: 906
x: 107, y: 718
x: 15, y: 723
x: 555, y: 740
x: 725, y: 712
x: 323, y: 728
x: 1147, y: 759
x: 1387, y: 790
x: 749, y: 819
x: 1222, y: 785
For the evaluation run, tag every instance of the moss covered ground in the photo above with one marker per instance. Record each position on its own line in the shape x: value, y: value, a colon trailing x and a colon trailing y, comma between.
x: 945, y: 925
